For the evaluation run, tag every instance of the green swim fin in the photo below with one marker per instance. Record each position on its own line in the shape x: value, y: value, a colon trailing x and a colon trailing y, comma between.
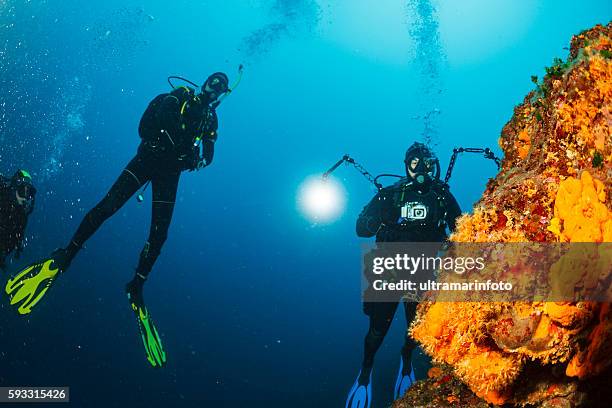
x: 31, y: 284
x: 153, y: 346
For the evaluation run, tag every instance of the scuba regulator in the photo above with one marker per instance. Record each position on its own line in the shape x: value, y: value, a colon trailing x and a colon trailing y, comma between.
x: 421, y: 164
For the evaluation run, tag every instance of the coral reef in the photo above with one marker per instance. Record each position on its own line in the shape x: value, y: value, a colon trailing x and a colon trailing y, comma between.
x: 554, y: 186
x: 443, y: 390
x: 440, y: 390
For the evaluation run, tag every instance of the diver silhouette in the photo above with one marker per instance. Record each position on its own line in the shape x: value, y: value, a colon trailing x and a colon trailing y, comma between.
x: 418, y: 208
x: 178, y: 131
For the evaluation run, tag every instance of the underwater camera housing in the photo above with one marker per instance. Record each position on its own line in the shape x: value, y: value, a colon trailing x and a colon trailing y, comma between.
x: 414, y: 211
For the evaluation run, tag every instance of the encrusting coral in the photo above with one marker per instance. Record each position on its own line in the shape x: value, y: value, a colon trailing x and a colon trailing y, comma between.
x: 554, y: 186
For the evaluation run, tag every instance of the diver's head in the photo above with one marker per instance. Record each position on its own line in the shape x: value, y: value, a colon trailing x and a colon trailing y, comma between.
x: 21, y: 183
x: 422, y: 165
x: 215, y: 85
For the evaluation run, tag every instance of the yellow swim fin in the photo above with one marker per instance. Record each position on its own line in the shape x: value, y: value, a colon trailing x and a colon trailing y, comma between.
x: 151, y: 340
x: 28, y: 287
x: 154, y: 349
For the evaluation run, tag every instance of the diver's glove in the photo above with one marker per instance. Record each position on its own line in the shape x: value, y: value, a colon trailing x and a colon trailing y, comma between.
x: 199, y: 164
x: 151, y: 341
x: 373, y: 224
x: 30, y: 285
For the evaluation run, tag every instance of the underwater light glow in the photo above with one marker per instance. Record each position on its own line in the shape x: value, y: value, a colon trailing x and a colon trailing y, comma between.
x: 321, y: 200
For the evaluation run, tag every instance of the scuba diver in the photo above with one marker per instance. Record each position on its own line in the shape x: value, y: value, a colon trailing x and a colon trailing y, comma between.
x: 178, y: 131
x: 16, y: 204
x: 418, y: 208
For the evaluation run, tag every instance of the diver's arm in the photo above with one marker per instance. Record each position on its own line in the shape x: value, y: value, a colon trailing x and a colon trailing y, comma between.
x: 3, y: 245
x: 209, y: 138
x: 16, y: 235
x: 4, y: 227
x: 208, y: 151
x: 370, y: 219
x: 453, y: 211
x: 11, y: 240
x: 21, y: 238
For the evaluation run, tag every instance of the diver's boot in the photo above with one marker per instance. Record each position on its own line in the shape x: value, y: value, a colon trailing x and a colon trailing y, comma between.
x: 134, y: 290
x: 360, y: 395
x: 405, y: 379
x: 151, y: 341
x: 29, y: 286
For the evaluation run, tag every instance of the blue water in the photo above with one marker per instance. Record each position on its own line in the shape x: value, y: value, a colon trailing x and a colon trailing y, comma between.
x: 258, y: 307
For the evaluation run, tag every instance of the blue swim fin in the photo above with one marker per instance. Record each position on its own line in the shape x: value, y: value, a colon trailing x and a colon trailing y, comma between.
x: 360, y: 395
x: 403, y: 382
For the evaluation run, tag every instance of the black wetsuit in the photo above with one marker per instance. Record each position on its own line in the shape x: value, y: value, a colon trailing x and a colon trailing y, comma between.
x: 13, y: 221
x: 173, y: 129
x: 429, y: 211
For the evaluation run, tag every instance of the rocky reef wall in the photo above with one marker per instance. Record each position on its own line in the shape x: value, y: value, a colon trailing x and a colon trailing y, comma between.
x: 554, y: 186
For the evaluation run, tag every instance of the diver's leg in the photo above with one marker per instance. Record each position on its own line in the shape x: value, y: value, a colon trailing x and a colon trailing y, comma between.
x: 135, y: 174
x: 381, y: 315
x: 164, y: 196
x: 409, y: 343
